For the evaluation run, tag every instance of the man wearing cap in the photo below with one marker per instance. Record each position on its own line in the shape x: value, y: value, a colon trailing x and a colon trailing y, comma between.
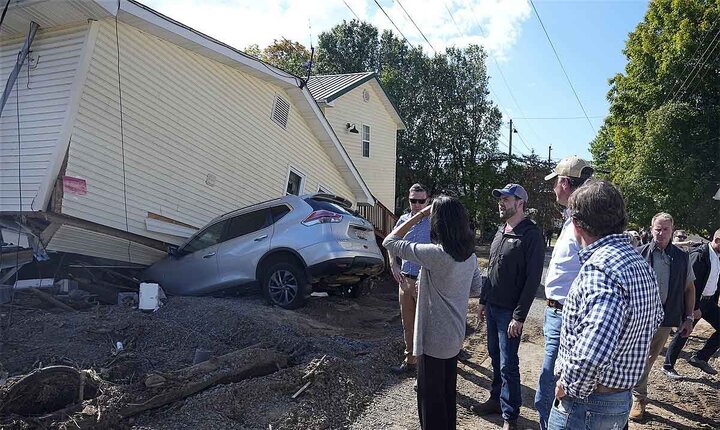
x: 516, y: 263
x: 570, y: 173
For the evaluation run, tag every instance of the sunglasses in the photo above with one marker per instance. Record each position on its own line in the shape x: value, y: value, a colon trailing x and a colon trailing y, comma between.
x: 418, y: 201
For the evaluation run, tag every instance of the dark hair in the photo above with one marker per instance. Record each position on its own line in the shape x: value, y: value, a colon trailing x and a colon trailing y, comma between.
x: 598, y: 208
x: 418, y: 188
x: 450, y: 227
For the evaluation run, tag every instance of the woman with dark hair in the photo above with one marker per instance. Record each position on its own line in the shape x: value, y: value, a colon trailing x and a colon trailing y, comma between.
x: 449, y: 272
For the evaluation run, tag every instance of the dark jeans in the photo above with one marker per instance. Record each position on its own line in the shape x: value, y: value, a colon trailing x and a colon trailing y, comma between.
x: 436, y: 380
x: 711, y: 314
x: 505, y: 362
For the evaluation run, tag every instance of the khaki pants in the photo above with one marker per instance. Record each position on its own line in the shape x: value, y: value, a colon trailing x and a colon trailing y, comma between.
x: 656, y: 346
x: 408, y: 301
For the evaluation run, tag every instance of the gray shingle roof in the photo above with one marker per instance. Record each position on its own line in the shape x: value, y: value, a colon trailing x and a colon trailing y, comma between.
x: 329, y: 87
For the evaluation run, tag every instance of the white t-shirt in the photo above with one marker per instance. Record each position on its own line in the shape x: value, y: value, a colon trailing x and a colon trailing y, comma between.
x: 712, y: 282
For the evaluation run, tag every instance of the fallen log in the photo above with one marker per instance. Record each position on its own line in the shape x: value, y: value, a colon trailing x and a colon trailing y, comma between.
x: 233, y: 367
x: 47, y: 298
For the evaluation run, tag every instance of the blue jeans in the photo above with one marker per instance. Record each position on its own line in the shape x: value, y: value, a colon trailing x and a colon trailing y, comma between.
x: 545, y: 394
x: 505, y: 362
x: 598, y: 411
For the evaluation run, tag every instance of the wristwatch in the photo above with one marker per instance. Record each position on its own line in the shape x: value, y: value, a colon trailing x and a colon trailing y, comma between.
x: 690, y: 318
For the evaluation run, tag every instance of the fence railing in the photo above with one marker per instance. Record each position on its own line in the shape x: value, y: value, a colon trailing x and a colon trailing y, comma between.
x: 381, y: 217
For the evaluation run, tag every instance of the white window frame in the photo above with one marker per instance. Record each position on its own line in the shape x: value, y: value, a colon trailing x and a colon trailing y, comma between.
x: 303, y: 179
x: 362, y: 140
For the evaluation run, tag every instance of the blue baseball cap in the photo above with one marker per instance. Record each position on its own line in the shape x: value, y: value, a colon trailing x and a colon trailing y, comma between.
x: 514, y: 190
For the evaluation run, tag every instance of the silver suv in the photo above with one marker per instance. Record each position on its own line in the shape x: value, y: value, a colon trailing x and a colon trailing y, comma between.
x: 286, y: 244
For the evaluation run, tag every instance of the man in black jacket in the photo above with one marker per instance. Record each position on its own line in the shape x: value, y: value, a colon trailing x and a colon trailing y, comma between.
x: 676, y: 287
x: 706, y: 265
x: 516, y: 262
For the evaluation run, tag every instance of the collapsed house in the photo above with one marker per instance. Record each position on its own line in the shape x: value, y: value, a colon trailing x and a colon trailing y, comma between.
x: 123, y: 131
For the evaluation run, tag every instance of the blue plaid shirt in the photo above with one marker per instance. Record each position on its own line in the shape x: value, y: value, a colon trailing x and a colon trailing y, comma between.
x: 609, y: 318
x: 419, y: 233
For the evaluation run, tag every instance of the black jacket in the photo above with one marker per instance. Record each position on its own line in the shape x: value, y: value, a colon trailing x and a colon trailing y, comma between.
x: 515, y: 269
x: 700, y: 260
x: 674, y: 305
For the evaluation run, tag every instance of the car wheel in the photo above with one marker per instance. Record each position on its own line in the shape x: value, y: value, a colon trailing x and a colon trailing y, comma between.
x: 362, y: 288
x: 284, y: 285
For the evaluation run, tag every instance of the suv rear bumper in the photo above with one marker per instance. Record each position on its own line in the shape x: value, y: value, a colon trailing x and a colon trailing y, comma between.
x: 347, y: 270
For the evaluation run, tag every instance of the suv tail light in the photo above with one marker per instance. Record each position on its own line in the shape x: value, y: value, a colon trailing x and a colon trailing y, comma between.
x: 322, y: 217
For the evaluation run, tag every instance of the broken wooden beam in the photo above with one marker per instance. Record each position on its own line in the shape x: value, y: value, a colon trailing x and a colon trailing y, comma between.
x: 233, y: 367
x: 47, y: 298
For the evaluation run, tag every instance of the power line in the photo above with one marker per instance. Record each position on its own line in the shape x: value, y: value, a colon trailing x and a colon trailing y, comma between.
x: 416, y: 26
x: 351, y: 10
x: 393, y: 23
x: 557, y: 117
x: 572, y: 87
x: 682, y: 73
x: 698, y: 66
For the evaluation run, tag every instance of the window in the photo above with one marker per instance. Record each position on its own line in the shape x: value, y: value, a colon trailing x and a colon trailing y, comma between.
x: 208, y: 237
x: 278, y: 212
x: 246, y: 224
x: 295, y: 182
x: 318, y: 204
x: 365, y: 140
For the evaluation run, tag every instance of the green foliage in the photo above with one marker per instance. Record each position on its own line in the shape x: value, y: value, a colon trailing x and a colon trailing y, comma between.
x: 284, y: 54
x: 451, y: 141
x: 661, y: 141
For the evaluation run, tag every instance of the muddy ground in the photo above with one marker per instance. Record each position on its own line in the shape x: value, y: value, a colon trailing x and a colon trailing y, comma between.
x: 352, y: 388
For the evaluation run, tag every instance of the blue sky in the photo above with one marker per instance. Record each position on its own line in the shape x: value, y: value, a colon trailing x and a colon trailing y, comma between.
x: 588, y: 35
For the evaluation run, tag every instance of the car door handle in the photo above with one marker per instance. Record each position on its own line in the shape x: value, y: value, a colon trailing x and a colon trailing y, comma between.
x: 212, y: 254
x: 259, y: 238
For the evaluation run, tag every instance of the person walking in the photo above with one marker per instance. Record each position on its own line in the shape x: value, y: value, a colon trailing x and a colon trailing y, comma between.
x: 516, y: 263
x: 406, y: 275
x: 449, y: 274
x: 705, y: 262
x: 570, y: 173
x: 675, y: 281
x: 609, y: 317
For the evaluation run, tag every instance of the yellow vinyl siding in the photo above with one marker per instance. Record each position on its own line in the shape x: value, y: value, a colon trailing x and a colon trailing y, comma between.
x: 184, y: 117
x: 378, y: 170
x: 43, y: 106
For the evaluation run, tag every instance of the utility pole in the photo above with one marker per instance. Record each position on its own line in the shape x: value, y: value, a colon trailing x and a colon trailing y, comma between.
x: 549, y: 152
x: 510, y: 145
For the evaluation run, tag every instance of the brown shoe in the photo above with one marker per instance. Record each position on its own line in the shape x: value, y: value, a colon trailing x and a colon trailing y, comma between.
x: 637, y: 412
x: 490, y: 407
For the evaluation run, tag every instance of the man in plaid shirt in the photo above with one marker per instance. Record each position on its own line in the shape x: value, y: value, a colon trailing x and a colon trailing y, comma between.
x: 609, y: 317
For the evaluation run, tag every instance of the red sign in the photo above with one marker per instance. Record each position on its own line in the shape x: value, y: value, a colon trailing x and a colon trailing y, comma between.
x: 77, y: 186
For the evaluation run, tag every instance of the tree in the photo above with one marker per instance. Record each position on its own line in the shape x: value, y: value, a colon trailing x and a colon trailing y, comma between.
x: 661, y: 141
x: 349, y: 47
x: 284, y: 54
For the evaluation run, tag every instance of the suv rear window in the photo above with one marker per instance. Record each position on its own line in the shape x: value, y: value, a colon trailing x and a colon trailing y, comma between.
x: 318, y: 204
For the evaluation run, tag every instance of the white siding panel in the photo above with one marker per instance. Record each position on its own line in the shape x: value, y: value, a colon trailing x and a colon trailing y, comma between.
x: 378, y: 170
x: 43, y: 105
x: 184, y: 117
x: 80, y: 241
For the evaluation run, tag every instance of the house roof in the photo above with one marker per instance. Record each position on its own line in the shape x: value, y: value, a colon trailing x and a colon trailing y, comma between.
x: 326, y: 88
x: 49, y: 13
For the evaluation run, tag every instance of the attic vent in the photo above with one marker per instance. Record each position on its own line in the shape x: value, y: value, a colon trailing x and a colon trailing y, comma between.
x: 281, y: 111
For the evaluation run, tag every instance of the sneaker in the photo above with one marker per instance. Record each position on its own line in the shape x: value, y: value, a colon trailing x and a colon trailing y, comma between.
x: 671, y: 373
x: 510, y: 425
x: 403, y: 369
x: 490, y: 407
x: 702, y: 365
x: 637, y: 412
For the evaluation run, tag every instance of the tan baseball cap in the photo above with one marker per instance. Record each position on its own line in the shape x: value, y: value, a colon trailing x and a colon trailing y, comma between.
x: 573, y: 167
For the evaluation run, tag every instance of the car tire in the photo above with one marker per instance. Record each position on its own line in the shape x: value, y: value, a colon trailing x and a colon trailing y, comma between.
x: 362, y: 288
x: 284, y: 285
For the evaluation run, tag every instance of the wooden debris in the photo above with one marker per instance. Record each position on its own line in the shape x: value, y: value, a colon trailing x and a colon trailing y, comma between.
x: 304, y: 387
x: 315, y: 368
x: 233, y: 367
x: 47, y: 298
